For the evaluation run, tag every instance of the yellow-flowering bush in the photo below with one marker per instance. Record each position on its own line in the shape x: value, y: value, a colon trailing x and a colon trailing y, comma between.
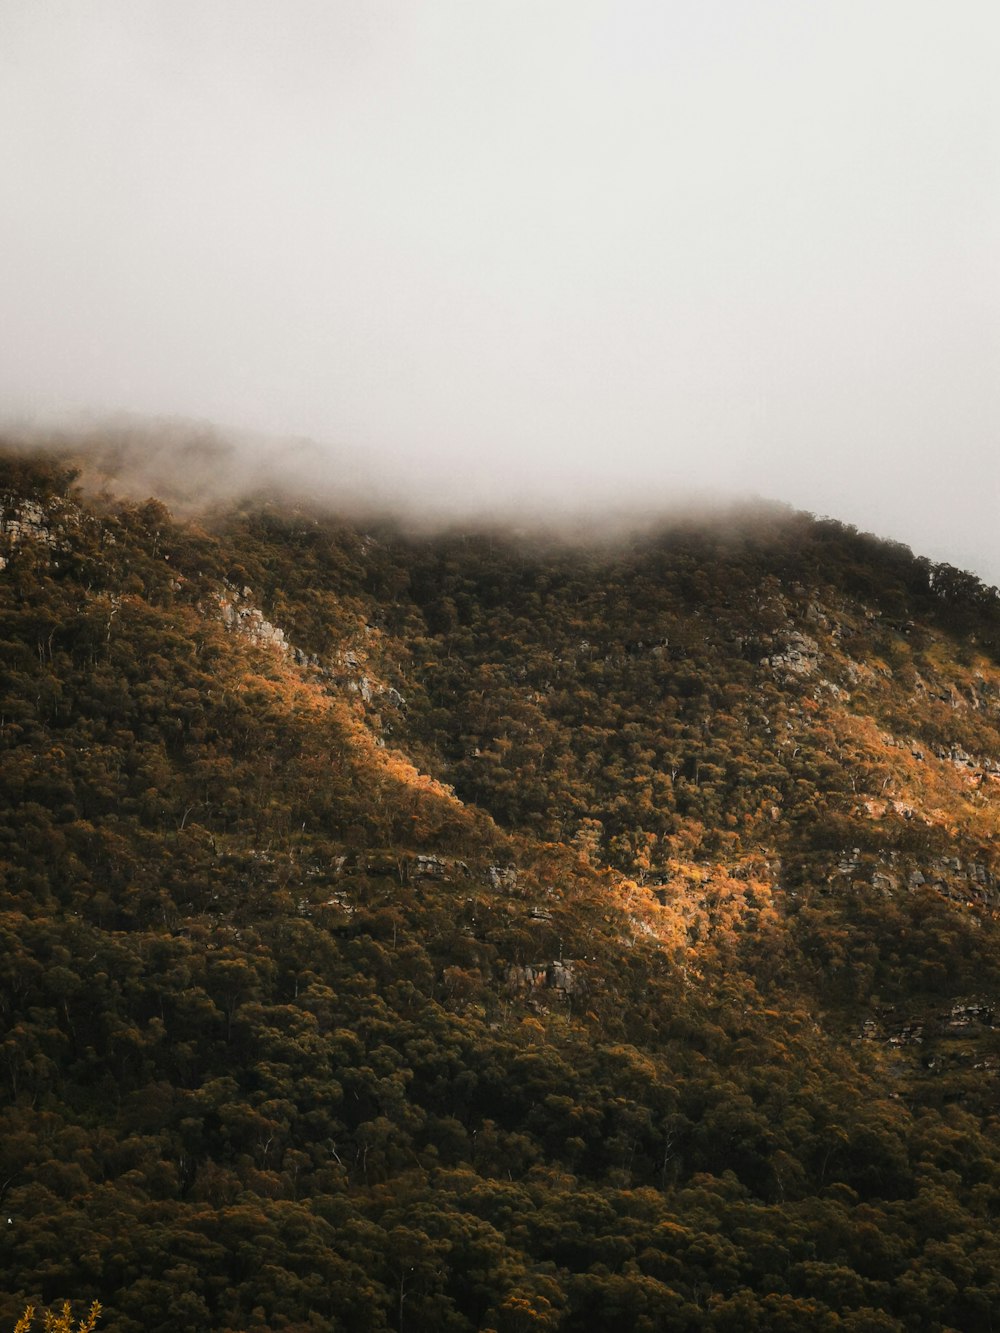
x: 61, y: 1322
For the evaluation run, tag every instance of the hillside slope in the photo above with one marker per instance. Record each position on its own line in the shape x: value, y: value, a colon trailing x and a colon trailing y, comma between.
x: 479, y: 931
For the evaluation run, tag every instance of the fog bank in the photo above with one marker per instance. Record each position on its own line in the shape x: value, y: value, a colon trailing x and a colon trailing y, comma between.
x: 575, y: 254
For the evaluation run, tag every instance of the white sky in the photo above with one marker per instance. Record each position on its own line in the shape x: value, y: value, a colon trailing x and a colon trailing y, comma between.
x: 503, y: 247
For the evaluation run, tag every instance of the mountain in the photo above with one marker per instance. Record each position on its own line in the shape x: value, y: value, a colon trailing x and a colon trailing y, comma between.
x: 470, y: 929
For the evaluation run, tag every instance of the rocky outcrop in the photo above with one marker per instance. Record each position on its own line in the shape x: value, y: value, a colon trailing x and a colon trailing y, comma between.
x: 967, y: 1014
x: 22, y: 520
x: 972, y: 883
x: 799, y: 654
x: 407, y: 867
x: 944, y: 1037
x: 346, y: 670
x: 962, y: 881
x: 502, y: 878
x: 439, y: 868
x: 558, y: 977
x: 240, y: 614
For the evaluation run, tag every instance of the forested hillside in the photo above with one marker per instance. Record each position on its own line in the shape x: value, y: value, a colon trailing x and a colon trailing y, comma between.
x: 472, y: 930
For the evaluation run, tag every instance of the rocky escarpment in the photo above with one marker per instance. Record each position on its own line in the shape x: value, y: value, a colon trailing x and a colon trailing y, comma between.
x: 965, y: 882
x: 352, y: 671
x: 49, y: 523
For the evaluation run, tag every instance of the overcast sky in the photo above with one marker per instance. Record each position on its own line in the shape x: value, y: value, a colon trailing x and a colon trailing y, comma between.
x: 503, y: 247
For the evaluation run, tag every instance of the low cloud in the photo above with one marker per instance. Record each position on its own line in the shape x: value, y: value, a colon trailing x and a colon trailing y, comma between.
x: 515, y: 257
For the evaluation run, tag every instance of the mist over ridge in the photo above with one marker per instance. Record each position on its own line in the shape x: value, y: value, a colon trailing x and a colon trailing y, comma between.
x: 201, y: 471
x: 594, y: 256
x: 196, y: 466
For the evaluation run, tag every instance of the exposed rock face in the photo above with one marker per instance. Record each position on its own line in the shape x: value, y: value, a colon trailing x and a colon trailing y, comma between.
x: 958, y: 1035
x: 954, y: 754
x: 439, y: 868
x: 27, y: 519
x: 963, y: 1016
x: 969, y: 882
x: 560, y: 977
x: 502, y: 878
x: 910, y: 1034
x: 20, y: 519
x: 799, y: 655
x: 239, y: 614
x: 408, y: 868
x: 346, y: 670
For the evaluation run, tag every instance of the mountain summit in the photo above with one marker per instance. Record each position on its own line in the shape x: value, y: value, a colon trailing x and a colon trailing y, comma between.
x: 468, y: 929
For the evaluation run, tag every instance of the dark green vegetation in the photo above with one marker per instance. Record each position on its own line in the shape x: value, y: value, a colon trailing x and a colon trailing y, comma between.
x: 526, y: 936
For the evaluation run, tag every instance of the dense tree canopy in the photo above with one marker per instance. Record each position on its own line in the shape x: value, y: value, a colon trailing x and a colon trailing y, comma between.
x: 467, y: 931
